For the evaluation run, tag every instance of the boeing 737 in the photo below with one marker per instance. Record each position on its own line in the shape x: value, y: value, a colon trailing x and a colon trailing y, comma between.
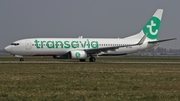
x: 82, y: 48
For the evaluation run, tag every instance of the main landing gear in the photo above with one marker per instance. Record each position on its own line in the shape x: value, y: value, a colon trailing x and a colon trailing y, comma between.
x: 21, y: 59
x: 92, y: 59
x: 82, y: 60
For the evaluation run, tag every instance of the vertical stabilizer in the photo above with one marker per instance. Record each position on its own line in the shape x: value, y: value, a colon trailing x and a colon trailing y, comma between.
x: 151, y: 28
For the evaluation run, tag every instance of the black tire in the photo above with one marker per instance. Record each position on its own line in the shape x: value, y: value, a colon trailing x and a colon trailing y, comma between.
x: 92, y: 59
x: 21, y: 59
x: 82, y: 60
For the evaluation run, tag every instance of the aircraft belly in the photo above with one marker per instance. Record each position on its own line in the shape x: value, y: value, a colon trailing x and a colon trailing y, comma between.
x: 46, y: 52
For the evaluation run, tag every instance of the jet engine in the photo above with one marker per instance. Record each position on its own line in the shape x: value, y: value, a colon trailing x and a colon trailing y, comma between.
x: 78, y: 54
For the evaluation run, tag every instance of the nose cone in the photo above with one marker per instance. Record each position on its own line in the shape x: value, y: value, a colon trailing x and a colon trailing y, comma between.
x: 7, y: 49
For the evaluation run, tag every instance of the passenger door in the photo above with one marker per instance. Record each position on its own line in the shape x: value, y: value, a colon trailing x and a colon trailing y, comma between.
x: 28, y: 45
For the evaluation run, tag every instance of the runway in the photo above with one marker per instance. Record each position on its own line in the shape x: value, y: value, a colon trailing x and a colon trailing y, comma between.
x: 70, y: 62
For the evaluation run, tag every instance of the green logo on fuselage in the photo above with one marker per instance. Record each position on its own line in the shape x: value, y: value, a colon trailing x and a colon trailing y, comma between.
x: 65, y: 44
x: 152, y: 27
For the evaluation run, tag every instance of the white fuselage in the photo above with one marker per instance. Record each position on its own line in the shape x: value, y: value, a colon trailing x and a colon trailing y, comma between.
x: 60, y: 46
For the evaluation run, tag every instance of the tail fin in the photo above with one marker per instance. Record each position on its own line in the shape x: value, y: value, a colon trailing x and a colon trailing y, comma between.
x: 151, y: 29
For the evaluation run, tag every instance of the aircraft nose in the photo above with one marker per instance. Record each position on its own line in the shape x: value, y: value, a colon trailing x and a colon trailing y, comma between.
x: 7, y: 49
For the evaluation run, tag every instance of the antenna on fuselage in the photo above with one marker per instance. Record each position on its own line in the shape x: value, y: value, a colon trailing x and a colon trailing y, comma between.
x: 80, y: 37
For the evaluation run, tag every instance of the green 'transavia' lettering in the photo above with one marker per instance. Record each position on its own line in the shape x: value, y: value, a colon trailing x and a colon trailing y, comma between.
x: 39, y: 44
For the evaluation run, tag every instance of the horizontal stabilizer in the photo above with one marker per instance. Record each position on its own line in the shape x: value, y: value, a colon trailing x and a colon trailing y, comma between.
x: 162, y: 40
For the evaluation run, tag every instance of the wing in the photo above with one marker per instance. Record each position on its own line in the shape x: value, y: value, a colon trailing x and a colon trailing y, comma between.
x: 106, y: 49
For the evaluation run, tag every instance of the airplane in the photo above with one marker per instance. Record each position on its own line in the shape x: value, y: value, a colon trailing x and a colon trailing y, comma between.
x: 81, y: 48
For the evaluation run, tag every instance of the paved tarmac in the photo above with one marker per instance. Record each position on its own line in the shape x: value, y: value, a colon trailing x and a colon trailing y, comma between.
x: 70, y: 62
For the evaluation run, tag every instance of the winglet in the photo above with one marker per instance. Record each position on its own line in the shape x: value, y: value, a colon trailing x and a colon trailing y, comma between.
x: 142, y: 40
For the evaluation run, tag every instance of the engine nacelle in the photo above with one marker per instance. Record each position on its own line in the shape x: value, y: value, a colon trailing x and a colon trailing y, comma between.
x: 78, y: 54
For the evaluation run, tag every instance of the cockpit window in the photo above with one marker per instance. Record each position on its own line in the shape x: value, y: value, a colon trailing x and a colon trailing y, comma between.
x: 15, y: 44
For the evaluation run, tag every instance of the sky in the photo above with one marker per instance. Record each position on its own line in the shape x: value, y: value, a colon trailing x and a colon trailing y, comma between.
x: 88, y: 18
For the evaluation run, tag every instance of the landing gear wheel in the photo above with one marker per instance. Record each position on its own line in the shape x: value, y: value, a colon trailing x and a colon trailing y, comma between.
x: 82, y: 60
x: 92, y: 59
x: 21, y: 59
